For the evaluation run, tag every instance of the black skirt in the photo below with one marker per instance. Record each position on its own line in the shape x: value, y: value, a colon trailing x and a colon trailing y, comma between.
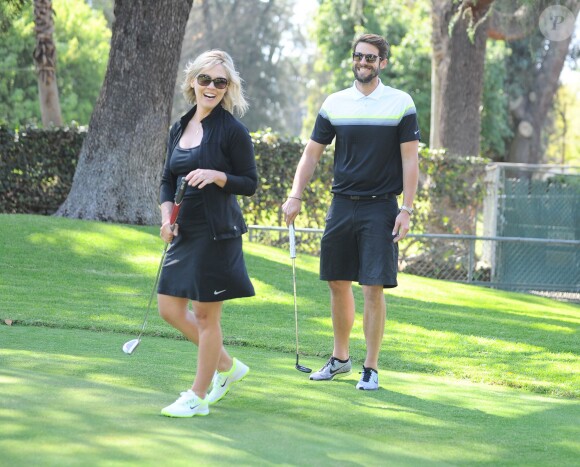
x: 200, y: 268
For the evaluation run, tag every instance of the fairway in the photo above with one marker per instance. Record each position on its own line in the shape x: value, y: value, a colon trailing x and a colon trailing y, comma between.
x: 469, y: 376
x: 78, y: 399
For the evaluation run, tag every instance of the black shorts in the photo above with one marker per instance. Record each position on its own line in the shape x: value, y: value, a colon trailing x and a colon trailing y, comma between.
x: 200, y: 268
x: 357, y: 244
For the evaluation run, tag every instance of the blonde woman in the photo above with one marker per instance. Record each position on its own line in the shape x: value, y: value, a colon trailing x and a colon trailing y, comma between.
x: 204, y: 264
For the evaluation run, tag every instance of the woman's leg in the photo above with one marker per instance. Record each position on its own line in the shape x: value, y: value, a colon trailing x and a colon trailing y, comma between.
x: 207, y: 318
x: 174, y: 311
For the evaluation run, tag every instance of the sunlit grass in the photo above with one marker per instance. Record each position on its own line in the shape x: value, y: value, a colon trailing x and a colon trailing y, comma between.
x: 98, y: 276
x: 78, y: 399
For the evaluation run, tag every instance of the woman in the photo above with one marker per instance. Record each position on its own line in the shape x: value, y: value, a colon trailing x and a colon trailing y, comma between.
x: 204, y: 264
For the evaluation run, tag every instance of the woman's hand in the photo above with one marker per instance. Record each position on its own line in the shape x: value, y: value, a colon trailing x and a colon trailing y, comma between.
x: 202, y: 177
x: 167, y: 233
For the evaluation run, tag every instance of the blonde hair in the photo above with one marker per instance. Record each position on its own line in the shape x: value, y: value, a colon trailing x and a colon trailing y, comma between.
x: 234, y: 99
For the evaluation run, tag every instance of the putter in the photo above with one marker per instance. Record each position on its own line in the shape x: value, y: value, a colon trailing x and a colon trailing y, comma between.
x: 130, y: 346
x: 293, y: 257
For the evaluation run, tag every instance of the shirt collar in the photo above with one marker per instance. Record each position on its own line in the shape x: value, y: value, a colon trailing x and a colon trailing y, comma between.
x: 375, y: 95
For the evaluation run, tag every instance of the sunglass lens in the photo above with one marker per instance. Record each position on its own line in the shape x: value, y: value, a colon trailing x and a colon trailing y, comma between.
x: 370, y: 58
x: 204, y: 80
x: 220, y: 83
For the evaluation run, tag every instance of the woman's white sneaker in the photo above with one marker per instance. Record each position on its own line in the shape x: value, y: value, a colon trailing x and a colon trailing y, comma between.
x: 222, y: 382
x: 187, y: 405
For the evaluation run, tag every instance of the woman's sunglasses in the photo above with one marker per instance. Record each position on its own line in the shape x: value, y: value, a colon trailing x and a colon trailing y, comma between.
x: 370, y: 58
x: 219, y: 83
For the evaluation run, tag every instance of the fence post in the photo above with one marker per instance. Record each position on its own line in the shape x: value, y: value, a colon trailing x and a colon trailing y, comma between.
x: 471, y: 260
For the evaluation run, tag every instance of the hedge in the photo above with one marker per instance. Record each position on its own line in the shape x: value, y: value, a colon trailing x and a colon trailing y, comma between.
x: 37, y: 169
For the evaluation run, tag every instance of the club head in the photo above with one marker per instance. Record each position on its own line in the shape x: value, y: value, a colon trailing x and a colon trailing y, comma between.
x: 129, y: 347
x: 303, y: 369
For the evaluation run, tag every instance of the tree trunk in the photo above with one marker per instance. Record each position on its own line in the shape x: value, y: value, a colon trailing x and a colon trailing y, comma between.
x: 440, y: 15
x: 45, y: 60
x: 118, y: 174
x: 531, y: 111
x: 458, y: 64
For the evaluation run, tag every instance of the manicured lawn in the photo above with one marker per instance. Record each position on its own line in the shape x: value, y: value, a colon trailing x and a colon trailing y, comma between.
x: 468, y: 375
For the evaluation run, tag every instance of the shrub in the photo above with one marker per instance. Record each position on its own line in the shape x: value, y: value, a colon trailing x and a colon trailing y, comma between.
x: 37, y: 168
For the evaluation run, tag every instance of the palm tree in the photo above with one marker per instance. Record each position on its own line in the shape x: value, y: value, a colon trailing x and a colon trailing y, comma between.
x: 45, y: 60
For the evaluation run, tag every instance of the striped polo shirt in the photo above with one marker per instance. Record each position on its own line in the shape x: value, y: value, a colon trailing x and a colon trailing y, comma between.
x: 369, y: 131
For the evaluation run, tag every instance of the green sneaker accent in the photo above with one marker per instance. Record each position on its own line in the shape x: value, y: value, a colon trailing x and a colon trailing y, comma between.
x: 222, y: 382
x: 187, y: 405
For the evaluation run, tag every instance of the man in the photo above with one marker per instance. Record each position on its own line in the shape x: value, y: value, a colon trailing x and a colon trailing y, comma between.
x: 375, y: 160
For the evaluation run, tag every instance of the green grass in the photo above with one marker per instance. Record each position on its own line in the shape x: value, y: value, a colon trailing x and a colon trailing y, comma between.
x: 468, y: 375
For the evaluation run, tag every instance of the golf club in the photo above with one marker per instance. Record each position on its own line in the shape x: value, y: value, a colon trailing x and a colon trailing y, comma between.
x: 130, y: 346
x: 293, y: 257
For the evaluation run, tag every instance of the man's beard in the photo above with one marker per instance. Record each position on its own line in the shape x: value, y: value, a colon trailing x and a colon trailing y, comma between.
x: 373, y: 72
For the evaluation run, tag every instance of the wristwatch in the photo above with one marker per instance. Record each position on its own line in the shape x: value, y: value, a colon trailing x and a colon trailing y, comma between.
x: 405, y: 208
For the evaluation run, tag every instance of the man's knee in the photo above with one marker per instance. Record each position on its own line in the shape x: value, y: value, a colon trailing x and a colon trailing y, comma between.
x: 373, y: 293
x: 340, y: 287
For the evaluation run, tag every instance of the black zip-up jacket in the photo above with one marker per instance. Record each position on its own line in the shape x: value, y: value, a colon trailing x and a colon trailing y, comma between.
x: 226, y: 146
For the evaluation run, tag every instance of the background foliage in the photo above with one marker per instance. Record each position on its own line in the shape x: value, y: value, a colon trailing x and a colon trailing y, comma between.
x: 37, y: 168
x: 257, y: 40
x: 495, y: 120
x: 287, y: 75
x: 82, y: 43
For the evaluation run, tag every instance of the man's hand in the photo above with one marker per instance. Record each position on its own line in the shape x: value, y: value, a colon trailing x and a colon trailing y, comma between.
x: 401, y: 226
x: 291, y: 208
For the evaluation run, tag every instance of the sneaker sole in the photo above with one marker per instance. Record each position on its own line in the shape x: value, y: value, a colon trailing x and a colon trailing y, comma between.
x: 229, y: 387
x: 185, y: 416
x: 336, y: 375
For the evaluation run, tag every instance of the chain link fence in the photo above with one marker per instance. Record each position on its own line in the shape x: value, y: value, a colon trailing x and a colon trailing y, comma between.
x: 461, y: 258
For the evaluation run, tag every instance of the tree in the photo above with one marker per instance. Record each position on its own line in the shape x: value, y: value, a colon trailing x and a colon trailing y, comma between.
x: 256, y: 41
x: 538, y: 63
x: 45, y: 60
x: 82, y: 39
x: 496, y: 130
x: 459, y: 43
x: 564, y: 141
x: 120, y: 163
x: 9, y: 10
x: 460, y: 31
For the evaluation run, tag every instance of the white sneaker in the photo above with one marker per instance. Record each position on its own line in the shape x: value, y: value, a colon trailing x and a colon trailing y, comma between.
x: 188, y: 405
x: 369, y: 381
x: 333, y: 368
x: 222, y: 382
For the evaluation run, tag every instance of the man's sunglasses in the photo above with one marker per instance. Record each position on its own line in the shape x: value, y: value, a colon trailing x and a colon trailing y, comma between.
x: 370, y: 58
x: 219, y: 83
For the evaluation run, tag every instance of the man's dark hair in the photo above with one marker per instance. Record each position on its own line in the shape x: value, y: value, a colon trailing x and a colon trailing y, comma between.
x: 374, y: 39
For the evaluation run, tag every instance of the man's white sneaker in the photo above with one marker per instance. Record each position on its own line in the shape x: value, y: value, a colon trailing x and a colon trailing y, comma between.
x: 187, y: 405
x: 369, y: 381
x: 222, y: 382
x: 333, y: 368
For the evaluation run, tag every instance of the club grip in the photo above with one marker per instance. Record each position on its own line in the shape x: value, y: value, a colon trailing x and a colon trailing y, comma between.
x: 292, y: 238
x: 178, y: 199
